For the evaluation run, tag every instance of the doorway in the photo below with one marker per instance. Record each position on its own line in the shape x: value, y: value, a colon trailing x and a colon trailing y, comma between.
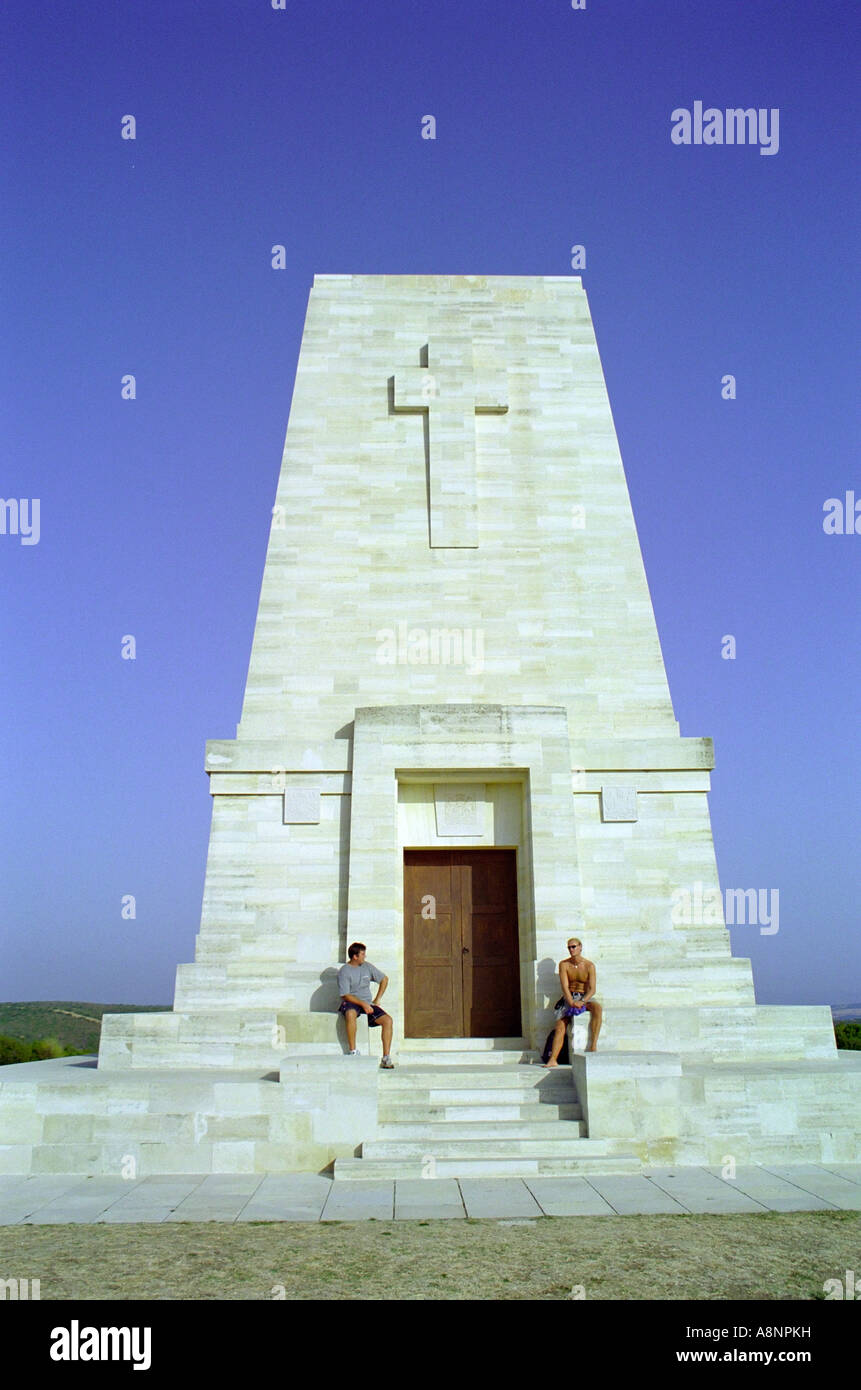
x: 461, y: 956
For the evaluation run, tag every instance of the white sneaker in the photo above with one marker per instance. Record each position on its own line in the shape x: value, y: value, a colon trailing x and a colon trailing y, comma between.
x: 354, y: 1053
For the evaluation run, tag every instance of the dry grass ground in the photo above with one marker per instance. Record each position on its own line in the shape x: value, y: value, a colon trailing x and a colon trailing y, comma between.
x: 772, y: 1256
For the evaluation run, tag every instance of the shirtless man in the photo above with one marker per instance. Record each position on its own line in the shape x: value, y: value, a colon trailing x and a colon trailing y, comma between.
x: 577, y: 978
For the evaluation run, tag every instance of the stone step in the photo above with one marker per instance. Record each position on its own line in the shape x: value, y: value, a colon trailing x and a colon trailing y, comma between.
x: 640, y: 994
x: 518, y: 1166
x: 425, y: 1090
x: 651, y: 934
x: 490, y: 1099
x: 465, y: 1112
x: 426, y: 1080
x: 440, y: 1045
x: 237, y: 995
x: 462, y: 1057
x: 480, y: 1147
x: 290, y: 942
x: 447, y: 1132
x: 251, y: 969
x: 671, y: 964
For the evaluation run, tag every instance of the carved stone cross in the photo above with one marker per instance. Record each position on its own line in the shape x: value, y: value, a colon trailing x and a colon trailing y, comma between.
x: 449, y: 393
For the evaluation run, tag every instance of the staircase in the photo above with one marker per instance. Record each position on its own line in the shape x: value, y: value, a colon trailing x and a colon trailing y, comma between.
x: 478, y: 1107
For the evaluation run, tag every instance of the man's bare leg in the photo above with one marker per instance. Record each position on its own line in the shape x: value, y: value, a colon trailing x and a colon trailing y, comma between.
x: 386, y: 1026
x: 350, y: 1021
x: 558, y: 1039
x: 596, y: 1013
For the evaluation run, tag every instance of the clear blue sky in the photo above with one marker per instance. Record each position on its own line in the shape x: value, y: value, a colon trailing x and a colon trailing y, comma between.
x: 302, y: 127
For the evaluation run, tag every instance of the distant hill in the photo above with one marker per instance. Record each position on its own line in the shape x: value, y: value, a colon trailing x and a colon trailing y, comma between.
x: 72, y: 1023
x: 846, y: 1013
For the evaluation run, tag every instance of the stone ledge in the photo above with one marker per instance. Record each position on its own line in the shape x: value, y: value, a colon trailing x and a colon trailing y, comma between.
x: 268, y: 757
x: 272, y: 756
x: 642, y: 755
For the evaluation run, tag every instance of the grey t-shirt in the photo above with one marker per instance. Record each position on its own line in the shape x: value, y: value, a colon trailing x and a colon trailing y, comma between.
x: 356, y: 980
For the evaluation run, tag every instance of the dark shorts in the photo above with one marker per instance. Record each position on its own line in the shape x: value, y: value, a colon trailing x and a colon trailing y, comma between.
x: 566, y: 1011
x: 373, y: 1019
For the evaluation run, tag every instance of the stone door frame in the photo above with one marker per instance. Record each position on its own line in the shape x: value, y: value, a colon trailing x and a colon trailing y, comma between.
x: 524, y: 743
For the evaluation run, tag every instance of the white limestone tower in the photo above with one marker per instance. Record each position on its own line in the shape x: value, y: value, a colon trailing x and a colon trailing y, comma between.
x: 455, y: 653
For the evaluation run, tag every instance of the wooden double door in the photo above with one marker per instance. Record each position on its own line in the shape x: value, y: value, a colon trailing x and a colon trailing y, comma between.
x: 461, y: 954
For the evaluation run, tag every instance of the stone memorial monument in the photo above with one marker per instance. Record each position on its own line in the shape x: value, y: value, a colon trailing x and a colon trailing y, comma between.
x: 457, y: 746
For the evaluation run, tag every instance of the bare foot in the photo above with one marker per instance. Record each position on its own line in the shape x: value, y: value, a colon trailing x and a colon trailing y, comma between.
x: 548, y: 1065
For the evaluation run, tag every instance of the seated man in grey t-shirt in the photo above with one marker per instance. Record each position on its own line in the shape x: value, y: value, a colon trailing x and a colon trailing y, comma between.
x: 354, y: 987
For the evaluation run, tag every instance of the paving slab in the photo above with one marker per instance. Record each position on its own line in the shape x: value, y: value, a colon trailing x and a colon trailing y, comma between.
x: 99, y: 1190
x: 360, y: 1201
x: 62, y: 1216
x: 26, y: 1201
x: 46, y: 1188
x: 203, y: 1212
x: 700, y: 1191
x: 831, y: 1187
x: 568, y: 1197
x: 282, y: 1211
x: 211, y: 1203
x: 59, y: 1212
x: 498, y: 1197
x: 631, y: 1194
x: 8, y: 1181
x: 288, y: 1197
x: 143, y: 1216
x: 175, y: 1179
x: 435, y: 1199
x: 430, y: 1213
x: 164, y: 1194
x: 294, y: 1184
x: 13, y: 1216
x: 772, y: 1191
x: 242, y: 1185
x: 850, y: 1171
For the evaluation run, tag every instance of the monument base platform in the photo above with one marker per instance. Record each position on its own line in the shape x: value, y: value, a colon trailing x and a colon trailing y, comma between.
x: 484, y: 1106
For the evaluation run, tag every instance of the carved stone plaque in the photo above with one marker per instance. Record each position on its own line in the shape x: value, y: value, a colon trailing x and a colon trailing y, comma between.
x: 301, y: 805
x: 459, y: 808
x: 619, y: 803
